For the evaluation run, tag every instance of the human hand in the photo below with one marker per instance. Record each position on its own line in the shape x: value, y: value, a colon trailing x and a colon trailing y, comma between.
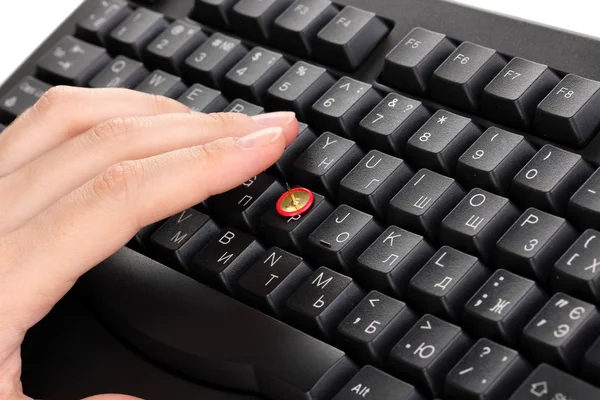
x: 84, y: 169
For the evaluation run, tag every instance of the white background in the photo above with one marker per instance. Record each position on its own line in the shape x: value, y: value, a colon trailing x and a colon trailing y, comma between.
x: 24, y: 24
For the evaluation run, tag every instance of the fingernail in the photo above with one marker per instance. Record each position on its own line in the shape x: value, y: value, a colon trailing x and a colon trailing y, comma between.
x: 280, y: 118
x: 260, y: 138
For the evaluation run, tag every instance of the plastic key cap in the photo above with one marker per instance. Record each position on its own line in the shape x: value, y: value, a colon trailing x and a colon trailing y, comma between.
x: 347, y: 40
x: 445, y: 283
x: 371, y: 329
x: 578, y: 270
x: 97, y: 24
x: 550, y: 179
x: 131, y: 37
x: 244, y: 107
x: 546, y: 379
x: 224, y: 259
x: 213, y: 12
x: 514, y: 94
x: 493, y: 160
x: 374, y: 383
x: 569, y: 114
x: 272, y: 279
x: 584, y: 207
x: 213, y: 59
x: 342, y: 107
x: 391, y: 123
x: 283, y: 166
x: 71, y: 62
x: 477, y: 222
x: 170, y: 49
x: 254, y: 74
x: 425, y: 355
x: 502, y: 307
x: 296, y: 28
x: 410, y: 65
x: 20, y: 97
x: 122, y: 72
x: 254, y: 18
x: 322, y: 301
x: 339, y: 240
x: 391, y: 260
x: 561, y: 332
x: 487, y: 372
x: 162, y: 84
x: 200, y: 98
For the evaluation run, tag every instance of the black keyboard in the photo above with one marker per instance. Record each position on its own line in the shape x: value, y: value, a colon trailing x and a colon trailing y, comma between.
x: 453, y: 247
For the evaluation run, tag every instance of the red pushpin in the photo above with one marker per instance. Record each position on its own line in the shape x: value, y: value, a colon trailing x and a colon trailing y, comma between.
x: 295, y: 201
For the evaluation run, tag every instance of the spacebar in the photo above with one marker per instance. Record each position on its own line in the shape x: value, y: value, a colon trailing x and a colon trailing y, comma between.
x: 209, y: 336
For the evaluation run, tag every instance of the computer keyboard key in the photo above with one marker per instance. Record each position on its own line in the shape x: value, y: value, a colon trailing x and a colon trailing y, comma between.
x: 243, y: 206
x: 371, y: 329
x: 477, y: 222
x: 284, y: 165
x: 178, y: 240
x: 322, y: 301
x: 254, y: 18
x: 391, y: 123
x: 224, y: 259
x: 568, y: 114
x: 131, y: 36
x: 373, y: 182
x: 101, y: 19
x: 342, y: 237
x: 533, y: 244
x: 243, y: 107
x: 213, y: 12
x: 493, y: 160
x: 200, y: 98
x: 141, y: 241
x: 577, y: 272
x: 372, y: 383
x: 170, y: 49
x: 325, y: 162
x: 348, y: 39
x: 296, y: 28
x: 391, y: 260
x: 547, y: 380
x: 488, y: 371
x: 272, y: 279
x: 439, y: 143
x: 446, y: 282
x: 122, y: 72
x: 584, y: 207
x: 162, y: 84
x: 550, y: 179
x: 423, y: 202
x: 342, y: 107
x: 254, y: 74
x: 426, y: 354
x: 213, y: 59
x: 502, y: 307
x: 590, y: 365
x: 460, y: 80
x: 71, y: 62
x: 514, y: 94
x: 211, y: 330
x: 20, y: 97
x: 410, y: 65
x: 299, y: 88
x: 561, y: 331
x: 291, y: 233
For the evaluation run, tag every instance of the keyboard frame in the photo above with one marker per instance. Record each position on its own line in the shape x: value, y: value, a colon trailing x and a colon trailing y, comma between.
x: 513, y: 37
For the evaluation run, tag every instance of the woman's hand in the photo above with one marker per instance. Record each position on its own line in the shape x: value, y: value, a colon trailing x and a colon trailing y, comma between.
x: 83, y: 170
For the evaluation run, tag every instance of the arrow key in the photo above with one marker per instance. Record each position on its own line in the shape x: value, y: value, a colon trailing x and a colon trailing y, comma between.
x: 372, y: 328
x: 425, y: 355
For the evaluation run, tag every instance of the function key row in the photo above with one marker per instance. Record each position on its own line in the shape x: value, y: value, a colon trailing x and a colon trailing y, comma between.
x: 520, y: 93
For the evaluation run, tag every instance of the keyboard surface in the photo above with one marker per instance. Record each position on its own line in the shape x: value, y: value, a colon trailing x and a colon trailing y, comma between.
x: 452, y: 249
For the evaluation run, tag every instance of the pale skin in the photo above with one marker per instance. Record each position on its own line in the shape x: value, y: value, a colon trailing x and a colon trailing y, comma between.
x: 93, y: 166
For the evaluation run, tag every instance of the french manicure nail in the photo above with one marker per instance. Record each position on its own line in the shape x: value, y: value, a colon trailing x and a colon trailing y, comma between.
x: 260, y: 138
x: 280, y: 118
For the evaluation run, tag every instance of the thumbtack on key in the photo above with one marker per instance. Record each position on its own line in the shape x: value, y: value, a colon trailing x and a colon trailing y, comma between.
x: 295, y: 201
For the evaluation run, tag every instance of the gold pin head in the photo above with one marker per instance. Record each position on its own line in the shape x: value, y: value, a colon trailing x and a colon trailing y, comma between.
x: 295, y: 201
